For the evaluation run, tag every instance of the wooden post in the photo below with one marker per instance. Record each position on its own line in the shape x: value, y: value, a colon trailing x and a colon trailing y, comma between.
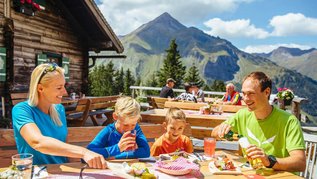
x: 296, y: 106
x: 296, y: 109
x: 133, y: 93
x: 3, y: 107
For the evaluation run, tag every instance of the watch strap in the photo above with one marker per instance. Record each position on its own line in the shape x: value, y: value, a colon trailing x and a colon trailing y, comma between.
x: 272, y: 160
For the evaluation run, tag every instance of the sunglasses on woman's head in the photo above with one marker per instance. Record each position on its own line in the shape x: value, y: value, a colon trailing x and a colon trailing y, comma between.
x: 50, y: 68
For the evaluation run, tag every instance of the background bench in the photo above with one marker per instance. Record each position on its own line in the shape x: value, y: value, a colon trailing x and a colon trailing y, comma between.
x: 18, y: 97
x: 92, y: 108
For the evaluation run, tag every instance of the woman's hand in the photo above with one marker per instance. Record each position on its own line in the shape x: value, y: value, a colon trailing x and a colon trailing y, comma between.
x: 126, y: 141
x: 94, y: 160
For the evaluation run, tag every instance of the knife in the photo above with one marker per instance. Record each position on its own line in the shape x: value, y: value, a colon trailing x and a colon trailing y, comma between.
x: 32, y: 171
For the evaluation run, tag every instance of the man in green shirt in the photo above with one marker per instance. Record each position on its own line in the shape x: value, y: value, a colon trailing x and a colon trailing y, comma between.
x: 275, y: 135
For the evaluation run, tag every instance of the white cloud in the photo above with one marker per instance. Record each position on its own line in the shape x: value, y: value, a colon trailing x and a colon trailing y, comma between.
x: 271, y: 47
x: 234, y: 29
x: 124, y: 16
x: 293, y: 24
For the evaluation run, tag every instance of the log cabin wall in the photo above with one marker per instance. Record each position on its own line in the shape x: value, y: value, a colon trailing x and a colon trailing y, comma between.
x: 47, y: 31
x: 2, y: 22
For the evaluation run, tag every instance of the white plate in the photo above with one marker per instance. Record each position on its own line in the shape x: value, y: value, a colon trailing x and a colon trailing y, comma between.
x: 213, y: 169
x: 118, y: 170
x: 174, y: 172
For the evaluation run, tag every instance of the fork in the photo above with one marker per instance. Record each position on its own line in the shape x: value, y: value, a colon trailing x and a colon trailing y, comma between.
x: 198, y: 156
x: 41, y: 169
x: 81, y: 171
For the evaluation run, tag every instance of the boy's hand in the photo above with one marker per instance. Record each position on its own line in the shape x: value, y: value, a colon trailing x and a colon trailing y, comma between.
x: 126, y: 141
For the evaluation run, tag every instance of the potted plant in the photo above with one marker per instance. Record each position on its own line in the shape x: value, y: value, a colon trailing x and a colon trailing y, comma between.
x: 286, y: 95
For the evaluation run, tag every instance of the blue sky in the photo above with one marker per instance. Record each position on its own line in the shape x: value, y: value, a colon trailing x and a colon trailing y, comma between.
x: 251, y: 25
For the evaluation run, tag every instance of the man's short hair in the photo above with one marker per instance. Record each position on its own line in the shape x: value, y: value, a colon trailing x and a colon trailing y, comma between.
x: 170, y: 80
x: 264, y: 80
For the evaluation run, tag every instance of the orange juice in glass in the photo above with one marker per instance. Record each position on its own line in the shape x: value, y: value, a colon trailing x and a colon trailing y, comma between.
x: 209, y: 146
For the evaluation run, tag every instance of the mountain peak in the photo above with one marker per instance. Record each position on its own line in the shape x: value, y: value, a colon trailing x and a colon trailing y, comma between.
x: 167, y: 20
x: 164, y: 23
x: 291, y: 51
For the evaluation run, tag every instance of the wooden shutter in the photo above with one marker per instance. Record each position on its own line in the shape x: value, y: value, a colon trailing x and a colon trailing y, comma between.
x: 66, y: 68
x: 3, y: 64
x: 42, y: 58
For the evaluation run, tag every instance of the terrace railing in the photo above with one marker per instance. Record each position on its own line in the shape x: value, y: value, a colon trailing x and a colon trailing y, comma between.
x: 295, y: 109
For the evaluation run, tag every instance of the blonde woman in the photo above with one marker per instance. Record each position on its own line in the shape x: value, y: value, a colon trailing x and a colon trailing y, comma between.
x: 40, y: 126
x: 123, y: 138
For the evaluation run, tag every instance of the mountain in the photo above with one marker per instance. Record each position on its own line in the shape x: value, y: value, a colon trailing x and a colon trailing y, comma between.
x: 302, y: 61
x: 215, y: 58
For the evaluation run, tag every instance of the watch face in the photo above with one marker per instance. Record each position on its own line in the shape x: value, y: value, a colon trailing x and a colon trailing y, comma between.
x: 272, y: 160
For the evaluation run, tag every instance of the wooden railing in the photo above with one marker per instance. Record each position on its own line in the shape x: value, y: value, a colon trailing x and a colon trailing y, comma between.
x: 295, y: 109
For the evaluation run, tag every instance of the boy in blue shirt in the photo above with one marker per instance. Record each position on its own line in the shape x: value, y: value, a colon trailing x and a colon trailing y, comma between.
x: 116, y: 140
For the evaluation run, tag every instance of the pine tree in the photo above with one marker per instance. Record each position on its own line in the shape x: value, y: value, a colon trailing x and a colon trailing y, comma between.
x: 218, y: 85
x: 172, y: 66
x: 128, y: 81
x: 96, y: 79
x: 101, y: 80
x: 108, y: 83
x: 193, y: 76
x: 153, y: 82
x: 119, y: 81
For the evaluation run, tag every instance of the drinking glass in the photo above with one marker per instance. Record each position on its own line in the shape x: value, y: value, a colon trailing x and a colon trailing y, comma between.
x: 132, y: 134
x: 22, y: 161
x: 255, y: 163
x: 209, y: 146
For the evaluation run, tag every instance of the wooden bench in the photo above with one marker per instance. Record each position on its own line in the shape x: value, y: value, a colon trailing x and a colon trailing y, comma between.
x: 92, y: 107
x: 79, y: 116
x: 102, y: 105
x: 80, y: 136
x: 158, y: 103
x: 18, y: 97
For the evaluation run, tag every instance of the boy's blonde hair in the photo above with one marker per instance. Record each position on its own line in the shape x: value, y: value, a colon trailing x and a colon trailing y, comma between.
x: 37, y: 75
x: 127, y: 107
x: 174, y: 114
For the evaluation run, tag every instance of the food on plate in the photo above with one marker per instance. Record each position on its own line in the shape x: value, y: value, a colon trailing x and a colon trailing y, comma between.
x: 174, y: 155
x: 224, y: 163
x: 11, y: 173
x: 138, y: 169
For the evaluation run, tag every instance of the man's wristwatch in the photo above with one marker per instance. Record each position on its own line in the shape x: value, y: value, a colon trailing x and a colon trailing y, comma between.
x: 272, y: 161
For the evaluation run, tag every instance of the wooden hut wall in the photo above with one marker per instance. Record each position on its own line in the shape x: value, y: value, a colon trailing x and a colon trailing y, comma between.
x: 1, y: 7
x: 47, y: 31
x: 1, y: 23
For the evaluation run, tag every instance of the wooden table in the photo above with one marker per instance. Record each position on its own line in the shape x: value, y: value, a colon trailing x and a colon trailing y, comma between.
x: 192, y: 117
x: 71, y: 170
x: 197, y: 106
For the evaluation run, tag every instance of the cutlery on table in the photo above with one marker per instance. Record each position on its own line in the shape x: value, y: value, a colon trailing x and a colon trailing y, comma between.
x: 41, y: 169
